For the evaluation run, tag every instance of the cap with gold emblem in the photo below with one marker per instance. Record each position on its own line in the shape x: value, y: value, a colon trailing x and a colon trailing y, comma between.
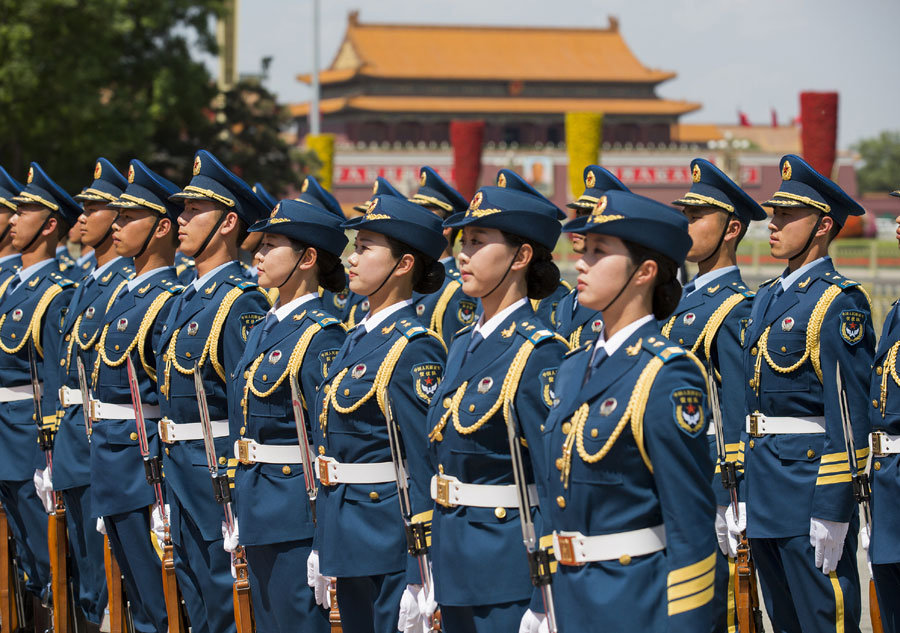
x: 268, y: 199
x: 712, y: 188
x: 107, y: 186
x: 434, y: 193
x: 403, y: 221
x: 9, y: 188
x: 381, y: 187
x: 148, y: 190
x: 306, y: 223
x: 803, y: 186
x: 597, y: 181
x: 313, y: 193
x: 40, y: 189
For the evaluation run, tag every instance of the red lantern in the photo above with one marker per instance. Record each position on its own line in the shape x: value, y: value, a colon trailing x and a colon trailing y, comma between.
x: 467, y: 138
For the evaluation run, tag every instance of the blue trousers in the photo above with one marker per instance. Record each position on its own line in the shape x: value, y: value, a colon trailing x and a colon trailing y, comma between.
x: 491, y: 618
x: 799, y: 597
x: 282, y: 601
x: 86, y: 554
x: 130, y: 539
x: 370, y: 604
x: 723, y: 601
x: 28, y: 523
x: 887, y: 586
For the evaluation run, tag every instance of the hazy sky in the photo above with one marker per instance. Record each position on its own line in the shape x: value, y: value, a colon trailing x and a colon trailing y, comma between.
x: 751, y: 55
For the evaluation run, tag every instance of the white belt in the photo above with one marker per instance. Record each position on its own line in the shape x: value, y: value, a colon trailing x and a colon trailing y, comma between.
x: 249, y: 452
x: 574, y: 548
x: 331, y: 472
x: 69, y: 397
x: 110, y: 411
x: 169, y: 432
x: 759, y: 424
x: 451, y: 492
x: 13, y: 394
x: 881, y: 443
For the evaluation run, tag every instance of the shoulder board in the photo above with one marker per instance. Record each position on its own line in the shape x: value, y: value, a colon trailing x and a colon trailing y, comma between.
x: 323, y: 319
x: 538, y: 336
x: 768, y: 281
x: 584, y: 348
x: 663, y: 348
x: 409, y: 329
x: 242, y: 282
x: 463, y: 330
x: 173, y: 288
x: 839, y: 280
x: 62, y: 281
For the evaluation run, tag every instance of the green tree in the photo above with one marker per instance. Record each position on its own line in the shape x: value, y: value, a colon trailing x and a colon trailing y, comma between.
x: 881, y: 162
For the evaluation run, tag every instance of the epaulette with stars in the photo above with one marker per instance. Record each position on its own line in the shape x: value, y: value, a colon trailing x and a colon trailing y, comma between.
x: 409, y: 329
x: 536, y: 333
x: 740, y: 288
x: 323, y: 318
x: 839, y: 280
x: 61, y: 280
x: 662, y: 348
x: 242, y: 282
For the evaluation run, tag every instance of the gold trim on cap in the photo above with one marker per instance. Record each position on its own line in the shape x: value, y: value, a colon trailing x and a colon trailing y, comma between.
x: 30, y: 197
x: 97, y: 192
x: 793, y: 200
x: 142, y: 202
x: 8, y: 203
x: 208, y: 193
x: 423, y: 199
x: 692, y: 199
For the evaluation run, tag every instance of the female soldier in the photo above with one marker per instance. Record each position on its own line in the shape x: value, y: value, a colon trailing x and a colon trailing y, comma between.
x: 300, y: 251
x: 627, y: 463
x: 388, y: 362
x: 480, y: 566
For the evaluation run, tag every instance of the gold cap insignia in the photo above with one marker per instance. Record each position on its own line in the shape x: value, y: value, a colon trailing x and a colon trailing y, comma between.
x: 476, y: 201
x: 590, y: 180
x: 130, y: 174
x: 275, y: 210
x: 305, y: 185
x: 786, y: 170
x: 370, y: 206
x: 375, y: 188
x: 30, y: 175
x: 196, y: 165
x: 501, y: 180
x: 98, y: 170
x: 601, y: 206
x: 695, y: 173
x: 423, y: 178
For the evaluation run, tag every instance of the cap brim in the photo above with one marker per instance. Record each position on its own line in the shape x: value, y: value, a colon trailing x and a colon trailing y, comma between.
x: 896, y: 193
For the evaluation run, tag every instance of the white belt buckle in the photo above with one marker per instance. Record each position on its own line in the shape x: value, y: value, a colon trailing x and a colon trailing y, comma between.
x: 442, y: 493
x: 164, y: 431
x: 876, y: 443
x: 243, y: 452
x: 324, y: 472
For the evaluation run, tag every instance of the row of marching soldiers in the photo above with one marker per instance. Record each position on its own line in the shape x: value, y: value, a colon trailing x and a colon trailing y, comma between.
x: 460, y: 443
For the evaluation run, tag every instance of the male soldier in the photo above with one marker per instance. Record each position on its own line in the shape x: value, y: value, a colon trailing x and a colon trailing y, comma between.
x: 32, y: 304
x: 206, y: 329
x: 145, y: 229
x: 74, y: 338
x: 799, y: 507
x: 710, y: 321
x: 449, y: 309
x: 572, y: 318
x: 10, y: 261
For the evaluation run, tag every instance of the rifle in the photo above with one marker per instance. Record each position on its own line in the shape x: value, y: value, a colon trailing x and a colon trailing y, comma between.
x: 747, y: 597
x: 9, y: 614
x: 538, y: 558
x: 243, y: 615
x: 309, y: 477
x: 57, y: 539
x: 416, y: 544
x: 153, y: 472
x: 861, y: 490
x: 85, y: 399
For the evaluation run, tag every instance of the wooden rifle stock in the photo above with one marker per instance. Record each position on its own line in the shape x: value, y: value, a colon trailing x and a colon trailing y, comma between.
x: 170, y: 591
x: 874, y: 609
x: 117, y: 617
x: 9, y: 614
x: 747, y: 598
x: 243, y: 611
x: 57, y: 541
x: 334, y: 616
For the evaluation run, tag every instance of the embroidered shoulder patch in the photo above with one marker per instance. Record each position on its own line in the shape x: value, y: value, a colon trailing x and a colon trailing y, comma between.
x: 339, y: 299
x: 326, y: 357
x: 688, y: 408
x: 427, y: 377
x: 465, y: 312
x: 548, y: 384
x: 852, y: 322
x: 248, y: 320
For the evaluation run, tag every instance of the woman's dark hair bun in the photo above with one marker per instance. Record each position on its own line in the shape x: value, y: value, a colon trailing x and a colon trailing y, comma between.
x: 333, y: 279
x: 431, y: 278
x: 667, y: 291
x: 542, y: 278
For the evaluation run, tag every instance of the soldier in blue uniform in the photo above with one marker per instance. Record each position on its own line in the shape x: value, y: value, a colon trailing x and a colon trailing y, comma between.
x: 710, y: 321
x: 10, y: 260
x: 449, y: 309
x: 32, y: 305
x: 626, y: 474
x: 389, y: 359
x: 145, y: 230
x: 300, y: 252
x: 574, y: 322
x: 801, y: 515
x: 185, y: 268
x: 509, y: 357
x: 74, y: 338
x: 207, y: 326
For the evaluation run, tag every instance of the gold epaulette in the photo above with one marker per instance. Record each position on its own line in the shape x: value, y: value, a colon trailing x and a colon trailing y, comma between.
x: 34, y: 326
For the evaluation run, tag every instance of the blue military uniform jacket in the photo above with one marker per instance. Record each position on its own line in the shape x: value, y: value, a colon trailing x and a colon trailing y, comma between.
x: 360, y: 530
x: 132, y: 326
x: 626, y: 471
x: 355, y: 308
x: 791, y: 348
x: 9, y: 266
x: 185, y: 268
x: 76, y: 336
x: 720, y: 312
x: 546, y: 307
x: 30, y: 312
x: 210, y: 325
x: 885, y: 472
x: 271, y: 498
x: 449, y: 309
x: 477, y: 553
x: 576, y: 323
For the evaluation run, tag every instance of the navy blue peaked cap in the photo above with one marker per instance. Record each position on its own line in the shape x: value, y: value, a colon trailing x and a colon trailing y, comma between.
x: 803, y: 186
x: 597, y: 181
x: 637, y: 219
x: 148, y: 190
x: 306, y: 223
x: 213, y: 181
x: 314, y: 193
x: 9, y: 189
x: 508, y: 179
x: 404, y: 221
x: 435, y: 192
x: 267, y: 198
x: 381, y: 188
x: 40, y: 189
x: 107, y: 186
x: 896, y: 192
x: 712, y: 188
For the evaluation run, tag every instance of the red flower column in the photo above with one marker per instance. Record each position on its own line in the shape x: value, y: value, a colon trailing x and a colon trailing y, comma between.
x: 818, y: 116
x: 467, y: 138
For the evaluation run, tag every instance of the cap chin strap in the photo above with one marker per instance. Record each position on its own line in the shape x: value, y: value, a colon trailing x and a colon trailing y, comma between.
x: 508, y: 268
x: 715, y: 251
x: 5, y: 233
x: 625, y: 285
x: 209, y: 235
x: 809, y: 240
x: 381, y: 285
x: 149, y: 237
x: 297, y: 263
x: 36, y: 234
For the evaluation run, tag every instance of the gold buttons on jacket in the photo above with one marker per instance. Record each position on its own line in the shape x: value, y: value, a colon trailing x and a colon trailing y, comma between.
x: 624, y: 559
x: 879, y: 370
x: 877, y: 465
x: 188, y: 354
x: 286, y: 470
x: 783, y: 349
x: 594, y: 432
x: 561, y: 501
x: 875, y: 403
x: 810, y: 453
x: 559, y: 463
x: 265, y: 378
x: 681, y: 341
x: 346, y: 392
x: 566, y: 427
x: 447, y: 403
x: 753, y: 351
x: 471, y: 408
x: 752, y: 443
x: 500, y: 513
x: 373, y: 496
x: 222, y: 461
x: 133, y: 436
x: 62, y: 362
x: 321, y: 450
x: 246, y: 375
x: 117, y: 348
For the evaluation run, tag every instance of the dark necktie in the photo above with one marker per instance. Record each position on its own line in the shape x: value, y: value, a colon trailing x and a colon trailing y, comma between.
x: 270, y: 322
x: 16, y: 281
x: 773, y: 297
x: 355, y: 337
x: 599, y: 356
x: 477, y: 338
x: 688, y: 288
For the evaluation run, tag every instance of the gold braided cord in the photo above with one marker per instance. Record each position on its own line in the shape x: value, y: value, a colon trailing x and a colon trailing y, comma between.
x: 575, y: 338
x: 144, y: 331
x: 889, y: 367
x: 716, y: 320
x: 440, y: 308
x: 667, y: 328
x: 76, y: 330
x: 292, y: 367
x: 34, y: 326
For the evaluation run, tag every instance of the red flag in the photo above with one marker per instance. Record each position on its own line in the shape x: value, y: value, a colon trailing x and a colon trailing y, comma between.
x: 744, y: 119
x: 774, y: 118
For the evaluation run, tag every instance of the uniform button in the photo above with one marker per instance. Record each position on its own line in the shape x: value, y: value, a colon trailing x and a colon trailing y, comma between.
x: 500, y: 513
x: 243, y: 430
x: 321, y: 450
x: 222, y: 461
x: 84, y: 335
x: 561, y: 501
x: 246, y: 375
x: 566, y: 427
x: 286, y: 470
x: 167, y: 450
x: 62, y: 362
x: 878, y: 370
x: 875, y: 403
x: 783, y: 348
x: 594, y: 432
x: 625, y: 559
x: 117, y: 348
x: 373, y: 496
x: 68, y: 336
x: 446, y: 403
x: 559, y: 463
x: 133, y: 436
x: 752, y: 443
x: 542, y: 427
x: 681, y: 341
x: 188, y: 354
x: 346, y: 392
x: 471, y: 408
x: 810, y: 453
x: 441, y: 468
x: 326, y: 388
x: 753, y: 351
x: 877, y: 466
x: 265, y: 378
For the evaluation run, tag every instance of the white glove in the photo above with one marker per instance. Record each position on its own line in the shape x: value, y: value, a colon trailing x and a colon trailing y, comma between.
x: 827, y: 538
x: 427, y: 605
x: 230, y: 536
x: 317, y: 581
x: 158, y: 526
x: 410, y: 618
x: 44, y: 488
x: 736, y: 524
x: 722, y: 530
x: 864, y: 537
x: 101, y: 526
x: 534, y: 623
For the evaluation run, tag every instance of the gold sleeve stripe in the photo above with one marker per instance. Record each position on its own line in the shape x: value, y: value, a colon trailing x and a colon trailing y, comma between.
x: 232, y: 462
x: 692, y: 571
x: 834, y: 468
x: 834, y: 479
x: 691, y: 587
x: 831, y: 458
x: 423, y: 517
x: 737, y: 446
x: 691, y: 602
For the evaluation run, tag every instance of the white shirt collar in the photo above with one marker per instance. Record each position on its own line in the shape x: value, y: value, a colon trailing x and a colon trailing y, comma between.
x: 707, y: 278
x: 371, y: 321
x: 7, y: 258
x: 615, y: 341
x: 487, y: 327
x: 61, y: 249
x: 137, y: 281
x: 788, y: 281
x: 25, y: 273
x: 201, y: 281
x: 282, y: 311
x: 102, y: 269
x: 446, y: 260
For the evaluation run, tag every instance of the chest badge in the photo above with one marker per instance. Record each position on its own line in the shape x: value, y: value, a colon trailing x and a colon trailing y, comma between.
x: 193, y: 328
x: 89, y: 313
x: 787, y: 324
x: 420, y: 309
x: 358, y: 371
x: 274, y: 357
x: 122, y: 325
x: 689, y: 318
x: 17, y: 315
x: 364, y: 306
x: 608, y: 406
x: 485, y: 384
x: 597, y: 326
